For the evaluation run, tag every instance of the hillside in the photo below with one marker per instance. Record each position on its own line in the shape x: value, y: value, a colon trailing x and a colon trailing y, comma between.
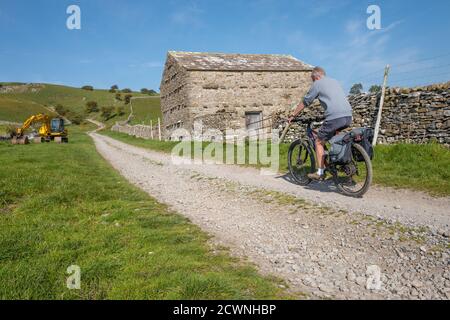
x: 18, y: 101
x: 17, y: 110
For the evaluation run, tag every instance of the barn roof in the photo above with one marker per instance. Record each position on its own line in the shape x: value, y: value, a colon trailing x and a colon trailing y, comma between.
x: 238, y: 62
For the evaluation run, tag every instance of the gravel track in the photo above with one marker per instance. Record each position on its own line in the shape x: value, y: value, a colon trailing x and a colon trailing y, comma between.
x: 291, y: 232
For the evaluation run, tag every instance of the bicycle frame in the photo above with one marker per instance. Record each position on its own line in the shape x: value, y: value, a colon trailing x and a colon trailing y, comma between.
x: 311, y: 140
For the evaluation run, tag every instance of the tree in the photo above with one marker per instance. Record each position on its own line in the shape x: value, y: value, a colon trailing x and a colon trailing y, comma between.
x: 118, y: 97
x: 152, y: 92
x: 60, y: 110
x: 128, y: 98
x: 88, y: 88
x: 75, y: 118
x: 145, y: 91
x: 375, y: 89
x: 115, y: 87
x: 91, y: 106
x: 107, y: 112
x: 356, y: 88
x: 127, y: 90
x: 120, y: 111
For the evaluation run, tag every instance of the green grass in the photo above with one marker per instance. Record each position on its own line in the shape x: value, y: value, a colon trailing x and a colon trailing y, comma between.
x: 145, y: 110
x: 421, y: 167
x: 18, y: 106
x: 418, y: 167
x: 63, y: 205
x: 15, y: 110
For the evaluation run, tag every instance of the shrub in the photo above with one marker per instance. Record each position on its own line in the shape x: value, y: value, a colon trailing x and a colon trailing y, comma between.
x: 112, y: 90
x: 91, y: 106
x: 128, y: 98
x: 375, y: 89
x: 120, y: 111
x: 107, y: 112
x: 11, y: 130
x: 356, y: 88
x: 118, y: 97
x: 75, y: 118
x: 60, y: 110
x: 89, y: 88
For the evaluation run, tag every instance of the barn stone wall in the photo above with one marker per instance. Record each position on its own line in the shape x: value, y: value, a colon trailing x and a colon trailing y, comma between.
x: 412, y: 115
x: 221, y: 99
x: 174, y: 96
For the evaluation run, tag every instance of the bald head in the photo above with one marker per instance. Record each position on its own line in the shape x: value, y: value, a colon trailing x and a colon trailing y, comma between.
x: 318, y: 73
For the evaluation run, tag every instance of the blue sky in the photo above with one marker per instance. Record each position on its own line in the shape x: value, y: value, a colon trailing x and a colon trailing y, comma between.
x: 125, y: 42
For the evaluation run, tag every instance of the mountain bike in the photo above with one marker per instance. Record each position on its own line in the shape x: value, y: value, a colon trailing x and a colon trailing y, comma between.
x: 352, y: 178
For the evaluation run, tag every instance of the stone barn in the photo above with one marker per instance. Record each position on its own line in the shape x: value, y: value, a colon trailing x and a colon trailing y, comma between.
x: 229, y: 91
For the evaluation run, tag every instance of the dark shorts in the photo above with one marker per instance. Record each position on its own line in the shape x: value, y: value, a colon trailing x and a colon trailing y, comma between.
x: 329, y: 128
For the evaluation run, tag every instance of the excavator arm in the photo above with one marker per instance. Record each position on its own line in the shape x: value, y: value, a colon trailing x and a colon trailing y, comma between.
x: 39, y: 118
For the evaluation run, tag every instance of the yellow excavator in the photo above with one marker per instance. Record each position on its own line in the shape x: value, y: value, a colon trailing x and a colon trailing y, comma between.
x: 51, y: 129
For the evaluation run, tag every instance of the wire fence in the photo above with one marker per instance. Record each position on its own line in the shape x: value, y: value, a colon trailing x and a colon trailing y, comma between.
x: 418, y: 72
x: 140, y: 131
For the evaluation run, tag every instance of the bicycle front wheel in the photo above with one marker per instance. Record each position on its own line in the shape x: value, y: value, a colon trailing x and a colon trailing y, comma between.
x: 354, y: 178
x: 301, y: 161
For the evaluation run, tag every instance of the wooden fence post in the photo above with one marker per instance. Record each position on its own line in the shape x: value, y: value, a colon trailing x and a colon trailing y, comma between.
x: 159, y: 129
x: 380, y: 109
x: 151, y: 129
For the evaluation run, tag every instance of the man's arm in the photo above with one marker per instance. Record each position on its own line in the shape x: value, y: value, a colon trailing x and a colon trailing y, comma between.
x: 312, y: 94
x: 296, y: 112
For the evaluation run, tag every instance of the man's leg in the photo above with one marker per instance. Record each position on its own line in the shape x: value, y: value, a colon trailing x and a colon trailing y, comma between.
x: 320, y: 161
x: 320, y: 152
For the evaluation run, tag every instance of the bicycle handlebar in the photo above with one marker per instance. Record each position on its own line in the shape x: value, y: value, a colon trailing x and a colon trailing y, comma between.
x: 306, y: 121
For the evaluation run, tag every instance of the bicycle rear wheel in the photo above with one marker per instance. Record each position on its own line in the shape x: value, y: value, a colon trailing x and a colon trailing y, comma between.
x: 301, y: 161
x: 354, y: 179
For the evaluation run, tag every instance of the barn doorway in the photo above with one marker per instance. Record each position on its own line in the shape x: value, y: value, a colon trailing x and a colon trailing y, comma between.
x: 253, y: 120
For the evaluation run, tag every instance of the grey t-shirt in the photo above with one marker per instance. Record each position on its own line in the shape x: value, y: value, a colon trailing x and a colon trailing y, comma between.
x: 331, y: 97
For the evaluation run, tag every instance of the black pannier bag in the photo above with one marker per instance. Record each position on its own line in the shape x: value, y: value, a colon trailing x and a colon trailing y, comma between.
x: 363, y: 137
x: 341, y: 149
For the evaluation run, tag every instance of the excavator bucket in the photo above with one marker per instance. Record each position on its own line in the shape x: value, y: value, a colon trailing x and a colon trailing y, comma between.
x: 20, y: 140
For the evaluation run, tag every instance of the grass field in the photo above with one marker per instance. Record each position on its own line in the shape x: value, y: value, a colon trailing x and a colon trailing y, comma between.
x: 15, y: 110
x: 145, y: 110
x: 63, y: 205
x: 18, y: 106
x: 418, y: 167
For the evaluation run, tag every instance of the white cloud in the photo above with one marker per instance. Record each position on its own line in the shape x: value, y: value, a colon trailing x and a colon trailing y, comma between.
x: 356, y: 52
x: 190, y: 15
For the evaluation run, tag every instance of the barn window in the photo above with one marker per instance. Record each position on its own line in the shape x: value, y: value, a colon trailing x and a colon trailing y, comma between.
x: 253, y: 120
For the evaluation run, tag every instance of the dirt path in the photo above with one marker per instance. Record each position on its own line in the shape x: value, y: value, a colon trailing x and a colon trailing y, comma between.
x: 319, y: 251
x: 100, y: 125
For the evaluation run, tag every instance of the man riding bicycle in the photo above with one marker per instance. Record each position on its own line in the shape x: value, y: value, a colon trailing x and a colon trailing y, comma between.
x: 338, y: 113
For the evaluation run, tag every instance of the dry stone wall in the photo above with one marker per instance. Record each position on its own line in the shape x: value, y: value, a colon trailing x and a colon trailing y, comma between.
x: 411, y: 115
x: 139, y: 131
